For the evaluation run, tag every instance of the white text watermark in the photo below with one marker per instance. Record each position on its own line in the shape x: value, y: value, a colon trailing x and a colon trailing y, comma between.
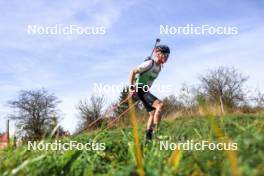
x: 117, y: 88
x: 191, y: 145
x: 59, y: 29
x: 204, y: 29
x: 71, y: 145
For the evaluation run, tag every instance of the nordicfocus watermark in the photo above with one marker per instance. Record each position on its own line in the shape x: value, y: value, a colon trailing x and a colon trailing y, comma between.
x: 204, y: 29
x: 203, y: 145
x: 59, y: 29
x: 117, y: 88
x: 71, y: 145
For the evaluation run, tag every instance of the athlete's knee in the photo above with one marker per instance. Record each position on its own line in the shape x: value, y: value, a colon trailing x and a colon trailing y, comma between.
x: 160, y: 106
x: 151, y: 114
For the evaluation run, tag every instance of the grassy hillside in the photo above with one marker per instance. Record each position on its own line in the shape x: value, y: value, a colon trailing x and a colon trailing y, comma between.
x: 118, y: 158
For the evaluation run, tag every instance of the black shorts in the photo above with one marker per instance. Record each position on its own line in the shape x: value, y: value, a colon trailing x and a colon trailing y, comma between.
x: 147, y: 99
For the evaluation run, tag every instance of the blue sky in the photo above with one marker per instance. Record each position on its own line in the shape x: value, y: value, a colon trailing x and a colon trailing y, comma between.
x: 69, y: 65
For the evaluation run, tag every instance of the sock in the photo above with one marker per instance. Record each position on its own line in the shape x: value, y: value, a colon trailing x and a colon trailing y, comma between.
x: 149, y: 134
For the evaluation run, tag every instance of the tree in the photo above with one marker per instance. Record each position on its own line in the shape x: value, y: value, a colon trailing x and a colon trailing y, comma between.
x: 124, y: 106
x: 187, y: 97
x: 34, y: 111
x: 171, y: 104
x: 90, y: 110
x: 122, y: 103
x: 259, y: 99
x: 223, y: 86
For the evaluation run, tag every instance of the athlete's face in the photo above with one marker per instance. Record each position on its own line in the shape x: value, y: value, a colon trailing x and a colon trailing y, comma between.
x: 161, y: 57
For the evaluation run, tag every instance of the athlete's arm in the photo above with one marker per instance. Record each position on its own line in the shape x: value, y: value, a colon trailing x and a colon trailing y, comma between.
x: 132, y: 75
x: 141, y: 68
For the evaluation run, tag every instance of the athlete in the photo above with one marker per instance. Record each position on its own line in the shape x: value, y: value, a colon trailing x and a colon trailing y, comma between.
x: 141, y: 78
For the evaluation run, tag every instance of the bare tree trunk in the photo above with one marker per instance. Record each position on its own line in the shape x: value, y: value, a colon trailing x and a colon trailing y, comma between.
x: 222, y: 106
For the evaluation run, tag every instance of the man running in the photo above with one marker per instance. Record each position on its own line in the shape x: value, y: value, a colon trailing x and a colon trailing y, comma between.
x: 141, y: 79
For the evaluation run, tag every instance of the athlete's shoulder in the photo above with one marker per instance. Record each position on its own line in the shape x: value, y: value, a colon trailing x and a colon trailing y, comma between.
x: 145, y: 65
x: 150, y: 61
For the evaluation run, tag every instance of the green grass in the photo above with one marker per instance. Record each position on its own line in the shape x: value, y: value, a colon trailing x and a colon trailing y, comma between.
x: 119, y: 159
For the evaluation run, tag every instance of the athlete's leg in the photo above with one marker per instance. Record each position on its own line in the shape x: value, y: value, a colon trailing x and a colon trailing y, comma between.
x: 148, y: 99
x: 158, y: 105
x: 149, y: 131
x: 150, y: 120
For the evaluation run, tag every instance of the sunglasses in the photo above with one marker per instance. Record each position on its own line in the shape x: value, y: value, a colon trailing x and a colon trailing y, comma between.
x: 165, y: 54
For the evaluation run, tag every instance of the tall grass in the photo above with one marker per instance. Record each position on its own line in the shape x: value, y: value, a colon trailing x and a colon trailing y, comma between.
x: 138, y: 153
x: 120, y: 156
x: 211, y: 113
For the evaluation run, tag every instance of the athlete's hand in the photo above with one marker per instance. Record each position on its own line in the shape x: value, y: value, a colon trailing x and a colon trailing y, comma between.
x: 132, y: 90
x: 132, y: 94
